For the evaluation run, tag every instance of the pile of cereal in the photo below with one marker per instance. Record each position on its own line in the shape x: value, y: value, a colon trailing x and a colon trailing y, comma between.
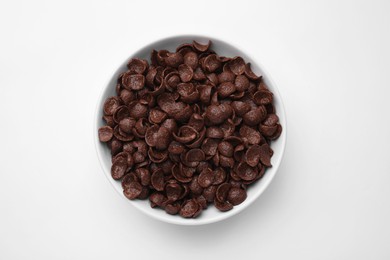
x: 191, y: 128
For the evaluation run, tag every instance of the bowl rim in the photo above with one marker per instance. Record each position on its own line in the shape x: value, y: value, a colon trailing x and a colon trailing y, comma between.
x: 223, y: 215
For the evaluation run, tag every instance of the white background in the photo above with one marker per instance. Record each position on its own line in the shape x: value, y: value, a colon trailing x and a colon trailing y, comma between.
x: 330, y: 198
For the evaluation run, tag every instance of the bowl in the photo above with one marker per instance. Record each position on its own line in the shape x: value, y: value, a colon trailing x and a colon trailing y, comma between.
x: 211, y: 214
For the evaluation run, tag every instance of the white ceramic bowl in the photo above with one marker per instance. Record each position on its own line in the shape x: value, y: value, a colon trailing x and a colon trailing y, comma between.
x: 211, y: 214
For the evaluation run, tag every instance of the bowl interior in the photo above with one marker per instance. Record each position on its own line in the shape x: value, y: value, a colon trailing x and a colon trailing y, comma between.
x: 211, y: 214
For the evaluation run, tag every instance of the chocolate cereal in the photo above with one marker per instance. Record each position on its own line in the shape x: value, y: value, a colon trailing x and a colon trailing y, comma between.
x: 188, y: 129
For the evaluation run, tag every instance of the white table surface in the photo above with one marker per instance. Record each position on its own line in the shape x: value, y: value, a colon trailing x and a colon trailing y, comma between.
x: 331, y: 196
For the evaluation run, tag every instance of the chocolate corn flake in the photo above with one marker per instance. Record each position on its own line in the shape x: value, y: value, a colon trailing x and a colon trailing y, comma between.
x: 189, y: 128
x: 185, y: 72
x: 226, y: 89
x: 137, y: 66
x: 206, y: 178
x: 237, y: 65
x: 209, y: 193
x: 217, y: 114
x: 133, y: 190
x: 191, y: 59
x: 226, y: 149
x: 173, y: 191
x: 201, y: 47
x: 252, y: 155
x: 172, y: 209
x: 214, y: 132
x: 236, y: 196
x: 157, y: 180
x: 190, y: 208
x: 241, y: 83
x: 133, y: 81
x: 118, y: 169
x: 105, y: 133
x: 212, y: 63
x: 222, y: 192
x: 226, y: 76
x: 111, y: 105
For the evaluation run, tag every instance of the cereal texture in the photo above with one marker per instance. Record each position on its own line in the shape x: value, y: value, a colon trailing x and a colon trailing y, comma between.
x: 189, y: 129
